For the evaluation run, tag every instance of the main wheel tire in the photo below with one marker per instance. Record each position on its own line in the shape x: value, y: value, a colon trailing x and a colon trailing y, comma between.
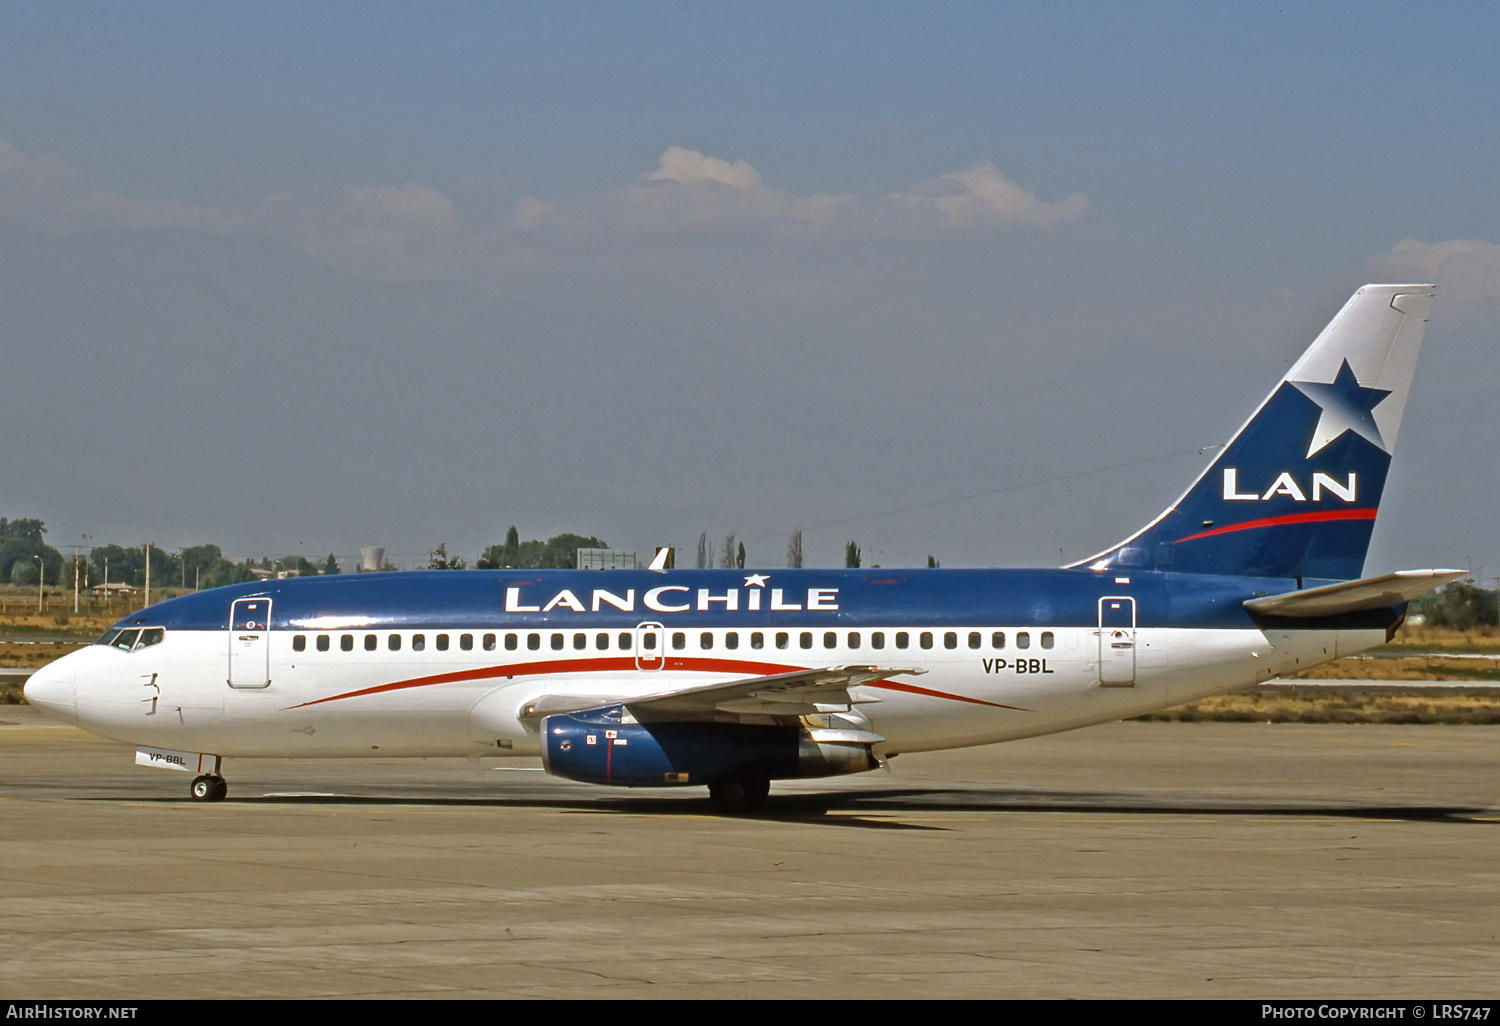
x: 221, y: 788
x: 739, y: 794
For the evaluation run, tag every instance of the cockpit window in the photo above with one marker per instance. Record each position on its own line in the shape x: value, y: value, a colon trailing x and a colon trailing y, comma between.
x: 125, y: 640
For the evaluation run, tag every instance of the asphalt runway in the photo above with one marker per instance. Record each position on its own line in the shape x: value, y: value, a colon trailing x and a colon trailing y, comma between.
x: 1127, y: 861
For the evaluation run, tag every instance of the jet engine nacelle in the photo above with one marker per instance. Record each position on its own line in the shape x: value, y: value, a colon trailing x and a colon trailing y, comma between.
x: 598, y: 746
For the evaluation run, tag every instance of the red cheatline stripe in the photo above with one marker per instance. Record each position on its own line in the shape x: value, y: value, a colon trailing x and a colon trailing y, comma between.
x: 1291, y: 518
x: 627, y: 664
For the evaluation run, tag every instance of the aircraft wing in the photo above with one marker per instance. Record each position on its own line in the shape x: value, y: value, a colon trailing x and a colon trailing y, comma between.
x: 799, y: 693
x: 1353, y: 596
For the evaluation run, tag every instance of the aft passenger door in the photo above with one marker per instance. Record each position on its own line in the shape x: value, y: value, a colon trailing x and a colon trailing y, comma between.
x: 1117, y: 642
x: 250, y: 643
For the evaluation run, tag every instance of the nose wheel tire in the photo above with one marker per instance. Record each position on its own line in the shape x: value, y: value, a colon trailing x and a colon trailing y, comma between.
x: 208, y: 789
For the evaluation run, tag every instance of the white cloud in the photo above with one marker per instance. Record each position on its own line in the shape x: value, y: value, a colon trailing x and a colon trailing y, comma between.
x: 689, y: 167
x: 412, y: 207
x: 48, y: 193
x: 414, y: 232
x: 981, y: 197
x: 692, y: 189
x: 689, y: 189
x: 532, y: 212
x: 1466, y: 270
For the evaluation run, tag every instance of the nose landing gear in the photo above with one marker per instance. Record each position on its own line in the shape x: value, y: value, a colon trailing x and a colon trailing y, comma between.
x: 208, y: 788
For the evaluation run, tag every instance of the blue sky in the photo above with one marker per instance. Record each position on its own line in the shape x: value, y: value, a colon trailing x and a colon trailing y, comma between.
x: 866, y: 252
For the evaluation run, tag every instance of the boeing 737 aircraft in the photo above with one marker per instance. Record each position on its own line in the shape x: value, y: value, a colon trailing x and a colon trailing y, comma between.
x: 732, y: 679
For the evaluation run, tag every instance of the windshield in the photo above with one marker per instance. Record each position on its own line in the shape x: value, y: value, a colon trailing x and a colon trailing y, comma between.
x: 127, y: 639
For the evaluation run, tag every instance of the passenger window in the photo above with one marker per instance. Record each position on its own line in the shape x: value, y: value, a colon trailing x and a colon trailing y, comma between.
x: 624, y: 641
x: 854, y: 639
x: 1023, y: 640
x: 757, y: 639
x: 679, y: 640
x: 732, y: 639
x: 806, y: 639
x: 418, y: 642
x: 533, y: 642
x: 394, y: 643
x: 974, y: 639
x: 602, y: 642
x: 299, y: 643
x: 347, y: 643
x: 830, y: 639
x: 466, y: 642
x: 997, y: 640
x: 925, y: 640
x: 649, y: 642
x: 580, y: 641
x: 783, y: 639
x: 557, y: 642
x: 442, y: 642
x: 1046, y: 639
x: 706, y: 640
x: 370, y: 642
x: 322, y: 643
x: 950, y: 640
x: 902, y: 639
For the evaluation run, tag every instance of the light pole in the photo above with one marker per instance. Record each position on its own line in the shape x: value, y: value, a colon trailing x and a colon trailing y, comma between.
x: 41, y: 575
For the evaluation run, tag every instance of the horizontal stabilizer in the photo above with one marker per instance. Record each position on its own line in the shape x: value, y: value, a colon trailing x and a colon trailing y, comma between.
x: 1381, y: 592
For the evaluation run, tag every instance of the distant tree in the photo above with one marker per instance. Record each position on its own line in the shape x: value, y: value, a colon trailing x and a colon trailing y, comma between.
x: 15, y: 551
x: 25, y: 529
x: 851, y: 555
x: 1460, y: 605
x: 221, y: 572
x: 739, y: 559
x: 438, y: 559
x: 932, y: 563
x: 703, y: 562
x: 116, y: 564
x: 195, y: 559
x: 330, y: 565
x: 794, y: 549
x: 726, y: 554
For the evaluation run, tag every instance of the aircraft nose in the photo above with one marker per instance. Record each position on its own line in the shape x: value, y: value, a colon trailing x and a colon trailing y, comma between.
x: 52, y: 689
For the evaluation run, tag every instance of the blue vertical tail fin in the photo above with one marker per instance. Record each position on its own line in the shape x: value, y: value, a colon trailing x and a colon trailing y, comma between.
x: 1296, y: 491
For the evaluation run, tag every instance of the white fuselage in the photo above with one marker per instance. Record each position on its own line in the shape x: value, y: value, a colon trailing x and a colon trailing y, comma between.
x: 451, y: 695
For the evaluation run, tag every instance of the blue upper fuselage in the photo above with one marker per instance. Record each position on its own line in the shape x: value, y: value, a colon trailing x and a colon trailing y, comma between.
x: 518, y: 599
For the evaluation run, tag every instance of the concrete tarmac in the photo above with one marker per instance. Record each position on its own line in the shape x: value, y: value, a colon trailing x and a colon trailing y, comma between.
x: 1126, y: 861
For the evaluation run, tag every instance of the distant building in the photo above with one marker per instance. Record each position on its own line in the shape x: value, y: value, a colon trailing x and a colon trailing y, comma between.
x: 113, y: 588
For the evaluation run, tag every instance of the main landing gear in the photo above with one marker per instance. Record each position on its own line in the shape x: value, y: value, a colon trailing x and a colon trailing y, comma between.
x: 740, y: 794
x: 209, y: 788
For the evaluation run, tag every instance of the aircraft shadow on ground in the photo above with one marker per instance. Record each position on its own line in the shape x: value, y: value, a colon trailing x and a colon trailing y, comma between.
x: 876, y: 808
